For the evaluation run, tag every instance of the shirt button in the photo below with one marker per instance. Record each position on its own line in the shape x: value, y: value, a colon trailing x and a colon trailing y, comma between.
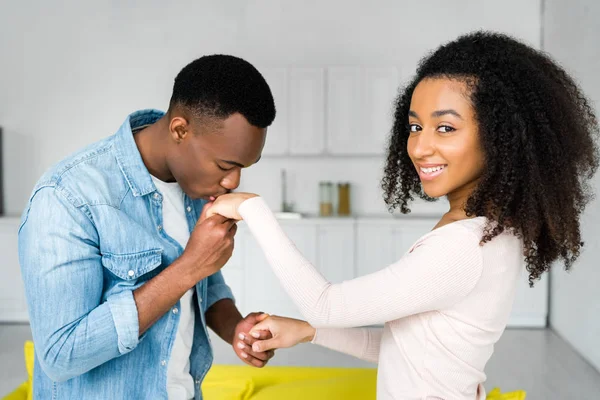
x: 189, y: 209
x: 159, y: 227
x: 175, y: 310
x: 163, y: 363
x: 130, y: 272
x: 156, y: 196
x: 200, y: 299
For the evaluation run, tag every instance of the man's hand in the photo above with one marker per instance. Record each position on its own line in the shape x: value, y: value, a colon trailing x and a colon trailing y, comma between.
x: 209, y: 247
x: 243, y: 341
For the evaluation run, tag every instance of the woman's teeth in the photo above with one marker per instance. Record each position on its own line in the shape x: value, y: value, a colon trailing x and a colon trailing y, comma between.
x: 432, y: 169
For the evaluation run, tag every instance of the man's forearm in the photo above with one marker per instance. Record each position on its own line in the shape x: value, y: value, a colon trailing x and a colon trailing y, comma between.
x: 223, y: 317
x: 159, y: 294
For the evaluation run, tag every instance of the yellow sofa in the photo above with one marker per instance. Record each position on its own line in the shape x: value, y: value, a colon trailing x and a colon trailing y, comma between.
x: 228, y: 382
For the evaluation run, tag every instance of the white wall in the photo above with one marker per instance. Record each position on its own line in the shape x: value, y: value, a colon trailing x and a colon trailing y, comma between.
x: 571, y: 34
x: 70, y: 73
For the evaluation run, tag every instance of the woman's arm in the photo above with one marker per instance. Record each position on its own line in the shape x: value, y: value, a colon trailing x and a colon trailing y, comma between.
x: 438, y: 273
x: 362, y: 343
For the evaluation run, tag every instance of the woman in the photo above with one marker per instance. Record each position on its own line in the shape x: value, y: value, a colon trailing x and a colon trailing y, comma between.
x: 507, y: 136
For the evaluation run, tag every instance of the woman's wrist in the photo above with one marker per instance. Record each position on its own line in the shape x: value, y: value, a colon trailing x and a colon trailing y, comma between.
x: 308, y: 332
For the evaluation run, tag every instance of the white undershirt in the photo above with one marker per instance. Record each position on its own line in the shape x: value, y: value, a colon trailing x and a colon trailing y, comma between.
x: 180, y: 384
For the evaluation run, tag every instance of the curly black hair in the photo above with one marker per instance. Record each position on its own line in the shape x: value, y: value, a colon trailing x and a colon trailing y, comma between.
x: 539, y: 136
x: 220, y: 85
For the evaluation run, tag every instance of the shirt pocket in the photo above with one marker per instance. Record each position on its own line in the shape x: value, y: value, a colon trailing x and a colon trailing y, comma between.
x: 132, y: 265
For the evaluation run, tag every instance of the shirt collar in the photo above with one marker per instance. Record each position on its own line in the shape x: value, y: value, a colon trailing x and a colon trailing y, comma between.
x: 128, y: 156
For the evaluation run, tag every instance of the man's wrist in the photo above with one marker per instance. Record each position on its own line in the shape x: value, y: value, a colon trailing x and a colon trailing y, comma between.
x: 223, y: 318
x: 188, y: 274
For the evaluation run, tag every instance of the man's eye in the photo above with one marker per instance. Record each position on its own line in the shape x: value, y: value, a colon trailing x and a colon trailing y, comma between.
x: 224, y: 169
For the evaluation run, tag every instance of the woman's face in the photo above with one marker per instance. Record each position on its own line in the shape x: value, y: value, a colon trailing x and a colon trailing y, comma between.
x: 444, y: 141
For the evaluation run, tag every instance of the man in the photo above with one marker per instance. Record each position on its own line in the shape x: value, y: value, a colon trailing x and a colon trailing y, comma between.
x: 121, y: 272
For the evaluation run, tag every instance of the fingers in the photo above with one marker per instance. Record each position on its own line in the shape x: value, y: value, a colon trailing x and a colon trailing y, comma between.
x: 259, y: 327
x: 260, y: 334
x: 216, y: 219
x: 205, y: 213
x: 265, y: 345
x: 251, y: 353
x: 262, y: 317
x: 230, y: 224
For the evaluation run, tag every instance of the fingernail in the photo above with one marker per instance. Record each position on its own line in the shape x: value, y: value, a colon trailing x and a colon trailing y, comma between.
x: 241, y: 336
x: 255, y: 334
x: 244, y: 354
x: 255, y: 347
x: 241, y: 345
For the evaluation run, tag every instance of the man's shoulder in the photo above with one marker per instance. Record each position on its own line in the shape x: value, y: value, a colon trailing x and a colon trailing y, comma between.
x: 90, y: 175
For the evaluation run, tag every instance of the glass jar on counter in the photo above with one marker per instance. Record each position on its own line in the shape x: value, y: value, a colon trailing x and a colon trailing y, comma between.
x: 344, y: 199
x: 325, y: 199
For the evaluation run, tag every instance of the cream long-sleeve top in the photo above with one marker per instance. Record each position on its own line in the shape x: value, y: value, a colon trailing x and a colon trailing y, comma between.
x: 443, y: 305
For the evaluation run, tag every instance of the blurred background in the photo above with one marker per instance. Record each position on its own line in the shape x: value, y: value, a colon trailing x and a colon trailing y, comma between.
x: 71, y: 72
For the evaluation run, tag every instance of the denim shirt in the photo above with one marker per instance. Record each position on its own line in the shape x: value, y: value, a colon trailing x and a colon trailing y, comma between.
x: 90, y: 235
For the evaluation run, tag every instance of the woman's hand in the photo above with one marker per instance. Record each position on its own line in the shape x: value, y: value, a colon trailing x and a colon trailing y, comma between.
x: 227, y: 205
x: 286, y: 332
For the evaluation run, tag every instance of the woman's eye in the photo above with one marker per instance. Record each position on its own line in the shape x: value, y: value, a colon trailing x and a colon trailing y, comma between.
x: 446, y: 129
x: 414, y: 127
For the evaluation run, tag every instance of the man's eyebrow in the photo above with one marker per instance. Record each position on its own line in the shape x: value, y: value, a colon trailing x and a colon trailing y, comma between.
x: 237, y: 164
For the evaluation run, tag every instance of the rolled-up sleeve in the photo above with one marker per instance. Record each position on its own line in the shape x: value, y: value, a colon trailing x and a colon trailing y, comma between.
x: 125, y: 317
x: 217, y: 289
x: 73, y: 329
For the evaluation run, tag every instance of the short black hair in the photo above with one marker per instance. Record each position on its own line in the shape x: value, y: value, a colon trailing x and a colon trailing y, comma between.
x: 539, y: 136
x: 220, y: 85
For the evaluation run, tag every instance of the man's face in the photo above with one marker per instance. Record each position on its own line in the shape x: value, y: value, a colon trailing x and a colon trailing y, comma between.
x: 207, y: 158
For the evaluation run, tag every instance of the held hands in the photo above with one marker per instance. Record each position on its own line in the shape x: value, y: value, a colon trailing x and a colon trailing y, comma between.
x: 273, y: 332
x: 227, y: 205
x: 242, y: 342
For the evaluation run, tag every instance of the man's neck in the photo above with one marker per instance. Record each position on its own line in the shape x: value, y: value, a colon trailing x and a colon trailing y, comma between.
x: 152, y: 143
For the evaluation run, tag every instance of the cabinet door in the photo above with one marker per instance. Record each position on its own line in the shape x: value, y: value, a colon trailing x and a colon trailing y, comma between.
x: 234, y: 270
x: 335, y: 251
x: 262, y: 289
x: 381, y: 86
x: 374, y: 247
x: 360, y: 104
x: 306, y: 112
x: 13, y: 304
x: 278, y: 133
x: 344, y: 114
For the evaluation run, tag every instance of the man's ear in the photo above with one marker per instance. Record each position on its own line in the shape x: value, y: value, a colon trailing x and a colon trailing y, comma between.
x: 179, y: 129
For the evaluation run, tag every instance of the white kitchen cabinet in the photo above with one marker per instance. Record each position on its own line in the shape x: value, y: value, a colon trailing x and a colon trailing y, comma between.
x: 381, y: 87
x: 13, y: 304
x: 345, y: 87
x: 359, y: 109
x: 375, y: 247
x: 278, y: 133
x: 262, y: 290
x: 306, y: 112
x: 335, y: 251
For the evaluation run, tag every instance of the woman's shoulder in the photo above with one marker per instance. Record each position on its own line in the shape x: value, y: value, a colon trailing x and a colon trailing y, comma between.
x: 464, y: 235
